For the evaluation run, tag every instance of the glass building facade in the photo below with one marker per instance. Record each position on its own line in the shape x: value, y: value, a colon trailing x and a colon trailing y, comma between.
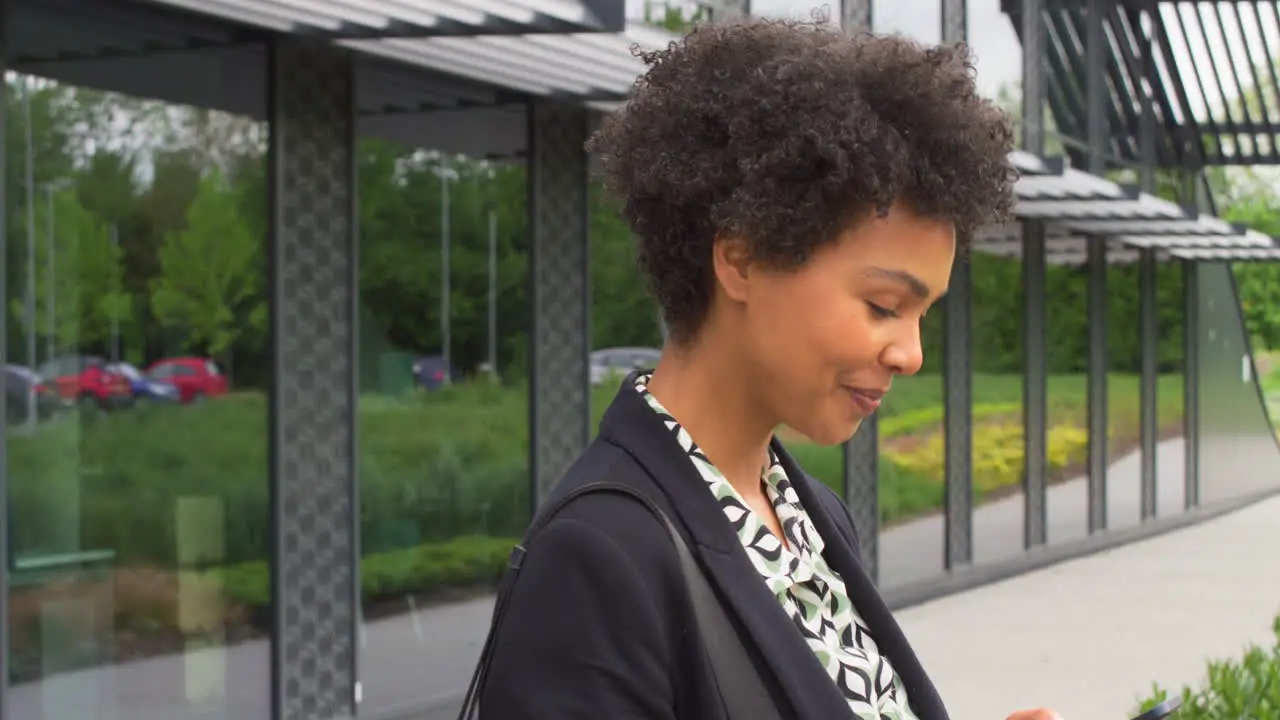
x: 283, y: 387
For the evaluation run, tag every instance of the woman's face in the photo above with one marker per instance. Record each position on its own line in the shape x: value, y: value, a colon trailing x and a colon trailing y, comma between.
x: 826, y: 340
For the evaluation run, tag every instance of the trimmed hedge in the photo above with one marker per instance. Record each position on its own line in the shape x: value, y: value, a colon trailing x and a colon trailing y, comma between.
x: 425, y: 570
x: 1247, y: 688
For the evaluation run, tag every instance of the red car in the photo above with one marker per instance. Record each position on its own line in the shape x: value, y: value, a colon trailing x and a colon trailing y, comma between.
x: 196, y: 378
x: 85, y: 379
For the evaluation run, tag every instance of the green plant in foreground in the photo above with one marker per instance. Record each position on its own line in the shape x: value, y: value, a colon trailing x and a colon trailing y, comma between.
x: 1243, y: 689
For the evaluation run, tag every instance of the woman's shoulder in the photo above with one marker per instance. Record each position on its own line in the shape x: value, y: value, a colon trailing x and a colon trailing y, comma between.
x: 606, y: 497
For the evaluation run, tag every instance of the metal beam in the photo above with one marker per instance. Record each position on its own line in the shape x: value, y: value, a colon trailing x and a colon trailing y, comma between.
x: 1099, y: 365
x: 1190, y: 382
x: 856, y: 15
x: 560, y: 396
x: 313, y: 293
x: 1149, y: 349
x: 957, y: 389
x: 1095, y: 82
x: 1099, y: 362
x: 1034, y: 382
x: 1034, y: 378
x: 957, y: 373
x: 861, y: 479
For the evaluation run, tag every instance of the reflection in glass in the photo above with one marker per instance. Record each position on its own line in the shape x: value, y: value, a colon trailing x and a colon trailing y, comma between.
x: 443, y: 441
x: 138, y: 517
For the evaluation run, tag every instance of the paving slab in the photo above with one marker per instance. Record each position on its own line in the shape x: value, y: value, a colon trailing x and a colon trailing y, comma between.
x: 1090, y: 636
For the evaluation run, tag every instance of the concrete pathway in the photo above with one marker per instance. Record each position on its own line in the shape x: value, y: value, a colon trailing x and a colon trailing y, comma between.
x: 913, y: 552
x: 1090, y: 636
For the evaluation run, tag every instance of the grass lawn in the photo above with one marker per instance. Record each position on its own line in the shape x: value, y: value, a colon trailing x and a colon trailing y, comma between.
x: 496, y: 421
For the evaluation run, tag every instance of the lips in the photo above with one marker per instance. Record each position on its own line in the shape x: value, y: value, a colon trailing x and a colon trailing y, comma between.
x: 866, y: 400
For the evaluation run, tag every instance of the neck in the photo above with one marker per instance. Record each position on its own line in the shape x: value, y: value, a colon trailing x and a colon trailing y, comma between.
x: 709, y: 393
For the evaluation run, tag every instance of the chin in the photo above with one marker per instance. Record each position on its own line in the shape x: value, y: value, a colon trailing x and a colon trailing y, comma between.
x: 832, y: 434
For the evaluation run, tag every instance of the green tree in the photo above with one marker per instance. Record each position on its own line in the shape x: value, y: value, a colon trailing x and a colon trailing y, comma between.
x: 79, y: 288
x: 210, y: 281
x: 1258, y: 283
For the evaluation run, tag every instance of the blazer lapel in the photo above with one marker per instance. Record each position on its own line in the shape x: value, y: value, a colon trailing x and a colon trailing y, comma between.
x: 632, y: 425
x: 864, y: 595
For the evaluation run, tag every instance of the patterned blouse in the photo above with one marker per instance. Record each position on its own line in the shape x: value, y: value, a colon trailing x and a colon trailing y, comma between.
x: 811, y: 593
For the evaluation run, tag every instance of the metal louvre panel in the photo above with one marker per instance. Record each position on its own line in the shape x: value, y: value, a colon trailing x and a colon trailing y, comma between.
x: 384, y: 17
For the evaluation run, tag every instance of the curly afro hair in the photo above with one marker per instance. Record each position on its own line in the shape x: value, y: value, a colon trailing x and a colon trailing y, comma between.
x: 785, y: 132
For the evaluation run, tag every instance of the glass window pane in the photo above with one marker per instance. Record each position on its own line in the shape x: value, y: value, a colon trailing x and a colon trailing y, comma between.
x: 443, y: 456
x: 137, y: 577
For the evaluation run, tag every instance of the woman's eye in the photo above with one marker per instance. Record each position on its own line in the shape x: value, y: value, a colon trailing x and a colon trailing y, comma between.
x: 880, y: 312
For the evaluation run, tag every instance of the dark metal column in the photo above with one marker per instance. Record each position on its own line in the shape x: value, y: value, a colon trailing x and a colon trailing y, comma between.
x: 861, y: 452
x: 957, y: 382
x: 1099, y: 360
x: 1099, y: 364
x: 1149, y: 345
x: 5, y: 673
x: 1147, y: 321
x: 1034, y: 370
x: 957, y: 370
x: 1190, y: 381
x: 312, y: 275
x: 560, y: 384
x: 1034, y: 380
x: 855, y: 16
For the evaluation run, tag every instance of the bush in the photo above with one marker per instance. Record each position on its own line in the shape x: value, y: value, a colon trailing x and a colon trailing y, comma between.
x: 1243, y: 689
x: 997, y: 453
x: 474, y: 561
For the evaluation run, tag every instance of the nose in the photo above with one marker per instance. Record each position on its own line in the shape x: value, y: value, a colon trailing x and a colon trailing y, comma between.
x: 904, y: 354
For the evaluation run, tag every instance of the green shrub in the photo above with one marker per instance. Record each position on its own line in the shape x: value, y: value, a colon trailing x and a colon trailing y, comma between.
x: 472, y: 561
x: 997, y: 452
x: 1244, y: 689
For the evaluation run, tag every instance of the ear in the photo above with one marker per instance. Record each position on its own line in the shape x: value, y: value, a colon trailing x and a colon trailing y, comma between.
x: 731, y: 262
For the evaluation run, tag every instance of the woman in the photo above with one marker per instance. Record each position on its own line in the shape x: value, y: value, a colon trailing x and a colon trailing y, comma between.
x: 798, y: 197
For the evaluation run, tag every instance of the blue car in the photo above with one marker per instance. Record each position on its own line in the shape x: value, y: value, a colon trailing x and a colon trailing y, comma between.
x: 143, y: 387
x: 430, y: 372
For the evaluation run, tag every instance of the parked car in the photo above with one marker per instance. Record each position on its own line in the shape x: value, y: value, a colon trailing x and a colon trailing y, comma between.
x: 85, y: 379
x: 25, y: 390
x: 609, y: 363
x: 143, y: 387
x: 195, y: 378
x: 430, y: 372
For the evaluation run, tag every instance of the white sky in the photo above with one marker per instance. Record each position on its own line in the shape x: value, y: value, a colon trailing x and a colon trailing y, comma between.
x: 999, y: 52
x: 990, y: 33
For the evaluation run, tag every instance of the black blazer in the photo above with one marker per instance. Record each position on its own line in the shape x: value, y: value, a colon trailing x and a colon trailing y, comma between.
x: 599, y: 625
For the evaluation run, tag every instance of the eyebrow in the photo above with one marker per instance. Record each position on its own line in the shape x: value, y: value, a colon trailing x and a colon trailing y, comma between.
x: 913, y: 283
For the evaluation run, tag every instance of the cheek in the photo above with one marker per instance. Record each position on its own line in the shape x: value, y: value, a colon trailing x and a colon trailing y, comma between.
x: 818, y: 326
x: 847, y: 334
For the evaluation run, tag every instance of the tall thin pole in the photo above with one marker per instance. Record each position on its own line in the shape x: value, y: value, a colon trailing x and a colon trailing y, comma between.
x: 445, y: 241
x: 115, y: 320
x: 30, y: 299
x: 51, y: 292
x: 493, y: 293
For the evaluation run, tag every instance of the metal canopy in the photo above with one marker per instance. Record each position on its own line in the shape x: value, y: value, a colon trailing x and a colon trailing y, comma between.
x: 1198, y: 60
x: 458, y: 94
x: 584, y: 66
x: 1079, y: 208
x: 410, y: 18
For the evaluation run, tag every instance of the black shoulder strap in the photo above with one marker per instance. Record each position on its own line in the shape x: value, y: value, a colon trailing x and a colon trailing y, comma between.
x: 741, y: 689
